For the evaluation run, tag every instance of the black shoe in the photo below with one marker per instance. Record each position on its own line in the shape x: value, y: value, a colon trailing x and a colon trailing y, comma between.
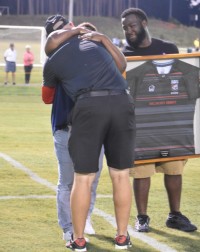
x: 5, y: 83
x: 180, y: 222
x: 14, y: 83
x: 142, y: 223
x: 123, y: 242
x: 77, y: 245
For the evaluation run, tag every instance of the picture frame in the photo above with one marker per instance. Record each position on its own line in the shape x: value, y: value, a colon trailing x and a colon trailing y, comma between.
x: 166, y: 92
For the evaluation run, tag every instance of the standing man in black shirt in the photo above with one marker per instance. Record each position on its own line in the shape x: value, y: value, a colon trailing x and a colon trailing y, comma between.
x: 88, y: 65
x: 139, y: 43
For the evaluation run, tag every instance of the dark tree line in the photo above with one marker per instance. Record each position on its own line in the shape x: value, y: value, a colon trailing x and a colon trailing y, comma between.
x: 81, y: 7
x: 181, y: 10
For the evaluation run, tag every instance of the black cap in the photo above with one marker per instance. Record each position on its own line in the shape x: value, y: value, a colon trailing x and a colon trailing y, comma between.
x: 54, y: 23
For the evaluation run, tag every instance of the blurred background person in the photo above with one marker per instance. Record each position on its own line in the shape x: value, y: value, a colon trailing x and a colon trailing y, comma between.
x: 196, y: 44
x: 28, y: 63
x: 10, y: 56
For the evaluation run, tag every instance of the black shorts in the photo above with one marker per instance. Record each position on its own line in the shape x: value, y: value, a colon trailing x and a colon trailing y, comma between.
x: 103, y: 120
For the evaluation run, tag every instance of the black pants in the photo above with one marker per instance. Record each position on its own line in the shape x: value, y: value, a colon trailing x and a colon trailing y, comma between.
x: 27, y: 70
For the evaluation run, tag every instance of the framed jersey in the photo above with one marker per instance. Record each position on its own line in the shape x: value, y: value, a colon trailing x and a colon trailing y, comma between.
x: 166, y: 90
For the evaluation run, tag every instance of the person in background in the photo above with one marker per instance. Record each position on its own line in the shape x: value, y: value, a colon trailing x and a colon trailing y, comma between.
x: 117, y: 42
x: 196, y: 44
x: 61, y: 108
x: 139, y: 43
x: 10, y: 56
x: 90, y: 67
x: 28, y: 63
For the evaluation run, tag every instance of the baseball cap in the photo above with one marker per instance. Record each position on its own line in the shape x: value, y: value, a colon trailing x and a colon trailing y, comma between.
x: 27, y: 46
x: 54, y: 23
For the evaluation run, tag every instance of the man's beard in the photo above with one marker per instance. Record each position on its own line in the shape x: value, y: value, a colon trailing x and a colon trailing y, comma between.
x: 140, y: 37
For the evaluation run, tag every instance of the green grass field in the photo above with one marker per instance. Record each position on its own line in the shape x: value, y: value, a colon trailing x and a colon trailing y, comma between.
x: 28, y: 218
x: 36, y: 75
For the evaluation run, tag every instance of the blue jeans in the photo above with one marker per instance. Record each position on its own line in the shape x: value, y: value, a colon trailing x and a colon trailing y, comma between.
x: 66, y: 177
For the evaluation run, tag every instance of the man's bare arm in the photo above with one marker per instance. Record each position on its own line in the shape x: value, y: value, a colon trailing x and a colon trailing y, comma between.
x: 117, y: 55
x: 58, y: 37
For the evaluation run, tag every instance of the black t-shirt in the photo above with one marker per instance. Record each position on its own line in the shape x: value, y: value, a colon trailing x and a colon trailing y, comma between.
x: 82, y: 66
x: 157, y: 47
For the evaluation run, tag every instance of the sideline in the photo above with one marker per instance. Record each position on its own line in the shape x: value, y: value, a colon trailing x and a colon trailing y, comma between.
x: 109, y: 218
x: 43, y: 197
x: 140, y: 236
x: 31, y: 174
x: 21, y: 85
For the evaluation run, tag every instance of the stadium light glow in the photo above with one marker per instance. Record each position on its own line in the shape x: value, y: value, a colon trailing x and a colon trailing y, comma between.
x: 194, y: 3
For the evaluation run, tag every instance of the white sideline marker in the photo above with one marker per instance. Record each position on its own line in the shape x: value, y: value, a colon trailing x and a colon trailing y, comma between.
x: 28, y: 197
x: 144, y: 238
x: 31, y: 174
x: 109, y: 218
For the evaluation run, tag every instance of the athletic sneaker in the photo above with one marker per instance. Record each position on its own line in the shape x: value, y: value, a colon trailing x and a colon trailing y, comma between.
x: 123, y: 242
x: 180, y: 222
x: 67, y: 236
x: 88, y: 227
x: 142, y: 223
x: 77, y: 245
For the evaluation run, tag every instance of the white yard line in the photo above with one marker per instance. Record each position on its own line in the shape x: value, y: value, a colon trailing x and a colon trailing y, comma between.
x: 109, y: 218
x: 31, y: 174
x: 140, y: 236
x: 28, y: 197
x: 43, y: 197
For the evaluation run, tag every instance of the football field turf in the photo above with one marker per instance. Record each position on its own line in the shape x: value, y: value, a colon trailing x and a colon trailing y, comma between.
x: 28, y: 177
